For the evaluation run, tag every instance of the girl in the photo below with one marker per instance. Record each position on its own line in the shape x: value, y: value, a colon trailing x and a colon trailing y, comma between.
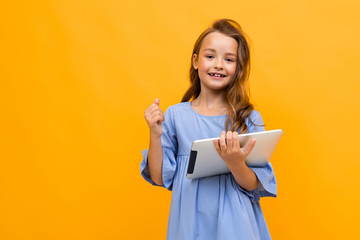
x: 221, y: 207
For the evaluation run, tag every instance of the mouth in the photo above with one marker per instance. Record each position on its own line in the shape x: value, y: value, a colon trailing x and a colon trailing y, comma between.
x: 217, y: 75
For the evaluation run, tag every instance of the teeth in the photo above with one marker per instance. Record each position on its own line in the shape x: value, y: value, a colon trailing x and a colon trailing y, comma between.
x: 216, y: 75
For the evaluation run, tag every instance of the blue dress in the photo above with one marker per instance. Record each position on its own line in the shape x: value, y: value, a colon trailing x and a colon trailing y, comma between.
x: 213, y: 207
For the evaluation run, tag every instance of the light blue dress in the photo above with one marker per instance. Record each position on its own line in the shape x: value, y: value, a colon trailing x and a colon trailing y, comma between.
x: 213, y: 207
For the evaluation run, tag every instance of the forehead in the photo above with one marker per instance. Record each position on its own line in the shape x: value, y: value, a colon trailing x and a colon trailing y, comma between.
x: 219, y: 42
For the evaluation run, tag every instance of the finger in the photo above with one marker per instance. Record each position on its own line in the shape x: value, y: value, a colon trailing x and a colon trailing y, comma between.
x: 222, y: 141
x: 236, y: 144
x: 157, y: 101
x: 216, y: 145
x: 157, y: 118
x: 148, y: 111
x: 153, y: 107
x: 229, y: 142
x: 152, y: 111
x: 156, y: 111
x: 249, y: 147
x: 157, y: 114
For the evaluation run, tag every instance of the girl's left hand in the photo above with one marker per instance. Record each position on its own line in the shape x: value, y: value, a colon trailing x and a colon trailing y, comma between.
x: 230, y: 150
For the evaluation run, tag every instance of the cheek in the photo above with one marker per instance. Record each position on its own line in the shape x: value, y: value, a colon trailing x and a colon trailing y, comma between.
x: 204, y: 65
x: 231, y: 70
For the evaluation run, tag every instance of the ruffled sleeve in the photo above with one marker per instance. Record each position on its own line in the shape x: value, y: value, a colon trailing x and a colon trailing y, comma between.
x: 267, y: 186
x: 169, y: 146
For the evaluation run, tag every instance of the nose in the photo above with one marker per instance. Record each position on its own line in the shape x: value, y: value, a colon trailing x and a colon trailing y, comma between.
x: 218, y: 64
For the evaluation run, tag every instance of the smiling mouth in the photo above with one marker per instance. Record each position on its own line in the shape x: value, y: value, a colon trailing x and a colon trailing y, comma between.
x: 217, y: 75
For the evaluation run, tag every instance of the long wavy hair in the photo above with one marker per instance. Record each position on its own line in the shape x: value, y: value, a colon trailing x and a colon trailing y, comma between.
x: 237, y: 93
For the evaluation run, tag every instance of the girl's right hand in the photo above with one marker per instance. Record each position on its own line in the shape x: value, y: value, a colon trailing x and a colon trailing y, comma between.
x: 154, y: 116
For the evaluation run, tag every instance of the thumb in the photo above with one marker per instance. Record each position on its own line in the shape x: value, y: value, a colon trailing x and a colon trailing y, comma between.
x: 249, y: 147
x: 157, y: 102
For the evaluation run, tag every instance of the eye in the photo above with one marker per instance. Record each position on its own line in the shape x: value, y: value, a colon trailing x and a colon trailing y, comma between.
x: 209, y: 56
x: 229, y: 60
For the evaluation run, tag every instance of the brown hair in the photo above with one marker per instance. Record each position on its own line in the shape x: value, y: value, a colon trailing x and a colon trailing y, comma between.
x: 237, y: 93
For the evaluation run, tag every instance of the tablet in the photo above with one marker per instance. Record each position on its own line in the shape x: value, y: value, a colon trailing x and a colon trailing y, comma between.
x: 204, y: 160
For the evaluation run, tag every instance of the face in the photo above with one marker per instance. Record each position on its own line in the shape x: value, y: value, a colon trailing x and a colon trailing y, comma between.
x: 216, y: 62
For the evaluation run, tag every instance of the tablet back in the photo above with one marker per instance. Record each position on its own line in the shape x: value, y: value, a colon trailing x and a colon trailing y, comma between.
x: 205, y: 161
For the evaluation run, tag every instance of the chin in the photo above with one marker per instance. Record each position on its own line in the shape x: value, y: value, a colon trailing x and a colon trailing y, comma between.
x: 217, y: 88
x: 215, y: 85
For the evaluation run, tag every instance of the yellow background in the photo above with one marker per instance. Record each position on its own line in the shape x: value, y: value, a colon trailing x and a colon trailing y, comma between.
x: 76, y: 77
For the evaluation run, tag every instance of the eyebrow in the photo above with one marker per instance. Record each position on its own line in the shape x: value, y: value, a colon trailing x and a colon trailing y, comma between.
x: 212, y: 50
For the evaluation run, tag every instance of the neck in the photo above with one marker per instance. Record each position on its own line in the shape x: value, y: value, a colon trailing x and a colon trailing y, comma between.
x: 210, y: 100
x: 211, y: 103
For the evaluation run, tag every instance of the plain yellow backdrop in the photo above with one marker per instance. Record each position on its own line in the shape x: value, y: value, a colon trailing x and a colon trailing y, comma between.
x: 76, y: 77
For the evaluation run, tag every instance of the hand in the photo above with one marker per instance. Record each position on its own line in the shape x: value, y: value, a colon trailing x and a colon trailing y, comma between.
x: 230, y: 150
x: 154, y: 116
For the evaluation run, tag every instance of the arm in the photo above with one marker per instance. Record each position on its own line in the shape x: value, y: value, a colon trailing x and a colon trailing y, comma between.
x: 155, y: 158
x: 234, y: 156
x: 154, y: 117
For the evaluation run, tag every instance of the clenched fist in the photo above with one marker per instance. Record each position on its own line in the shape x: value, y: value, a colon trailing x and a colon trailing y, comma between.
x: 154, y: 116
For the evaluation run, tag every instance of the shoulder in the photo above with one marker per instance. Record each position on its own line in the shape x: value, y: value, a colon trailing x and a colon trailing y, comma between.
x: 176, y: 112
x: 178, y: 108
x: 254, y: 122
x: 255, y: 116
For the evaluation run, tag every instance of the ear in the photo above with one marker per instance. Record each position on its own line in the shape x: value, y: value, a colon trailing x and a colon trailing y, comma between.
x: 195, y: 61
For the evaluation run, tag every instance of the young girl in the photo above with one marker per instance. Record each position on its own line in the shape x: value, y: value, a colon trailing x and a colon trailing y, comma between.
x: 222, y: 207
